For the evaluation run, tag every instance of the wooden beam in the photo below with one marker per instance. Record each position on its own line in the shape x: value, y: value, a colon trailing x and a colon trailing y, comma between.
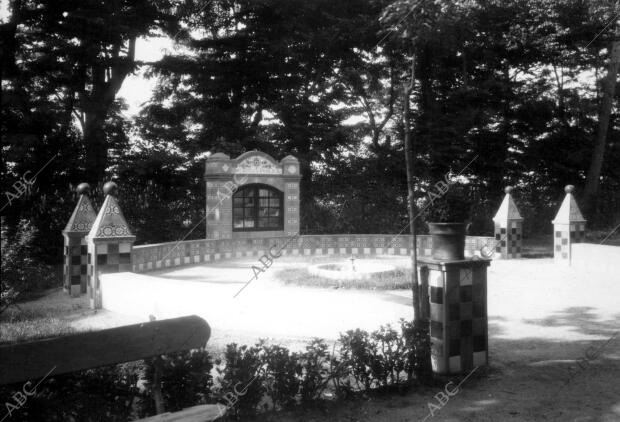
x: 33, y: 360
x: 202, y: 413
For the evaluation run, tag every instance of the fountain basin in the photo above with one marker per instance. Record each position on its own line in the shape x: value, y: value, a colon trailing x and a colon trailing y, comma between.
x: 362, y: 269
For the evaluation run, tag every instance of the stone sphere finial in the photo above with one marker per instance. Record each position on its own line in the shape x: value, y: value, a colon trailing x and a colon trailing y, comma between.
x: 569, y: 188
x: 83, y: 189
x: 508, y: 189
x: 110, y: 188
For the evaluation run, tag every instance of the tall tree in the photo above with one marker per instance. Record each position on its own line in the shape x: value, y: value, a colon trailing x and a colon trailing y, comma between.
x: 81, y: 52
x: 609, y: 88
x: 261, y: 74
x: 410, y: 155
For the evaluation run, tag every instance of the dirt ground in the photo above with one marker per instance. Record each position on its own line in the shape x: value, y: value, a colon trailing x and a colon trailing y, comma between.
x: 527, y: 380
x: 542, y: 319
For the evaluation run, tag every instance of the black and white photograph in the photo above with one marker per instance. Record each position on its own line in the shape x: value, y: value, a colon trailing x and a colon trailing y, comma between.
x: 310, y: 210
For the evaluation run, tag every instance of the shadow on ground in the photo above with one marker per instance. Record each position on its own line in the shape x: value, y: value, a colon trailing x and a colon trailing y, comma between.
x: 581, y: 318
x: 528, y: 379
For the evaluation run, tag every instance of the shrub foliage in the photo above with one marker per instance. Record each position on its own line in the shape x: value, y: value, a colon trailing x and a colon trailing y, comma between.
x: 22, y: 273
x: 248, y: 379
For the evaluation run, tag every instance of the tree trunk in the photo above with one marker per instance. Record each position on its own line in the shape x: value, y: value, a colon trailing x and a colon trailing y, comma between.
x: 596, y: 163
x: 421, y: 323
x: 106, y: 82
x: 96, y: 149
x: 8, y: 42
x: 409, y: 158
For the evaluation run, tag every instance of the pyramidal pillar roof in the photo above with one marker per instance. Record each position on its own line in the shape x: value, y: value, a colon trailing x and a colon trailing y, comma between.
x: 84, y: 214
x: 508, y: 209
x: 110, y: 222
x: 569, y: 211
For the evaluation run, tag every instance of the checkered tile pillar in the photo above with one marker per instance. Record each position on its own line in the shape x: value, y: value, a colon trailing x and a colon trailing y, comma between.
x: 221, y: 182
x: 508, y: 239
x: 110, y: 242
x: 75, y: 277
x: 105, y: 257
x: 564, y: 235
x: 458, y: 314
x: 569, y: 227
x: 219, y: 208
x: 508, y: 229
x: 291, y: 179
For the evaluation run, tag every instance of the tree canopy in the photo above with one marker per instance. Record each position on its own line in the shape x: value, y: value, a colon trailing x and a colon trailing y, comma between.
x: 516, y: 86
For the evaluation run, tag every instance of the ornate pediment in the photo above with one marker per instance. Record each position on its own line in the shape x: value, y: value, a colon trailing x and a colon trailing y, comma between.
x: 257, y: 165
x: 110, y: 222
x: 83, y: 217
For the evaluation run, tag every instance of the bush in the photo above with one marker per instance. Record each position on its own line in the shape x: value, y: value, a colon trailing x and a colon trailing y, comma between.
x: 241, y: 371
x: 249, y: 379
x: 390, y: 362
x: 386, y: 357
x: 282, y: 375
x: 98, y: 394
x: 21, y: 273
x: 418, y: 349
x: 358, y: 353
x: 185, y: 381
x: 315, y: 371
x: 102, y: 394
x: 451, y: 206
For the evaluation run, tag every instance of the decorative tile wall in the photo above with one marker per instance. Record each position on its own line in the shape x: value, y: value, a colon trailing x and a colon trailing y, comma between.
x: 149, y: 257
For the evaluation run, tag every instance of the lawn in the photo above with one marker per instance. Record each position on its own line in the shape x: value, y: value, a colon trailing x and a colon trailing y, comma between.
x: 394, y: 280
x: 48, y: 315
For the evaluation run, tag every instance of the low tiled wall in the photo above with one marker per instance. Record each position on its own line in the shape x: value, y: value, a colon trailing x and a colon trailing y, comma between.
x: 174, y: 254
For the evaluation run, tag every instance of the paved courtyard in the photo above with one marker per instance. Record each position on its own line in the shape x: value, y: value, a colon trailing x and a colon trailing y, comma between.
x: 527, y: 299
x: 542, y: 319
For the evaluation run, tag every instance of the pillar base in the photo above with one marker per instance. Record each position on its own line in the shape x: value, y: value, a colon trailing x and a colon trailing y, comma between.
x: 458, y: 314
x: 74, y: 291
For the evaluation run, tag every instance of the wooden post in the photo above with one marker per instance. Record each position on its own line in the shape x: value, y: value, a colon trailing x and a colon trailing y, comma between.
x: 158, y: 397
x: 424, y: 299
x: 409, y: 158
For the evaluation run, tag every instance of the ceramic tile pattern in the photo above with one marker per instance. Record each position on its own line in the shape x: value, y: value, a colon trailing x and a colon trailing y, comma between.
x: 151, y: 257
x: 75, y: 277
x: 458, y: 314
